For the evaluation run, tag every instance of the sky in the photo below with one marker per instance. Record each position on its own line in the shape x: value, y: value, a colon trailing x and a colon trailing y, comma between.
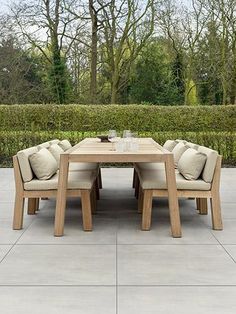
x: 5, y: 3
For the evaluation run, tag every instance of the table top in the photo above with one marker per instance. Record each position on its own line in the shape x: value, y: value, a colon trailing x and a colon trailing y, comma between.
x: 93, y: 150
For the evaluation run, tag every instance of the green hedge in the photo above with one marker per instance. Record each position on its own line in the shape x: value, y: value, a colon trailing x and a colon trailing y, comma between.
x: 23, y: 126
x: 145, y: 118
x: 11, y: 141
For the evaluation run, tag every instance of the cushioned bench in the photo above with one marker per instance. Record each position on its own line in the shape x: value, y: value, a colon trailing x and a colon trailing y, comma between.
x: 36, y: 176
x: 197, y: 176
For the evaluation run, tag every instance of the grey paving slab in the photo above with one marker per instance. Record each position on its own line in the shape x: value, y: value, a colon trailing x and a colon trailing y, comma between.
x: 6, y: 210
x: 228, y: 196
x: 176, y: 300
x: 228, y: 210
x: 8, y: 235
x: 3, y: 251
x: 130, y: 232
x: 58, y: 300
x: 7, y: 196
x: 59, y: 265
x: 228, y: 234
x: 175, y: 265
x: 41, y: 232
x: 231, y: 249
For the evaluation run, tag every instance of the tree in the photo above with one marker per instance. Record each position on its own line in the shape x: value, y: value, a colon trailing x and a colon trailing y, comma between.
x: 20, y: 79
x: 153, y: 78
x: 126, y: 26
x: 43, y: 25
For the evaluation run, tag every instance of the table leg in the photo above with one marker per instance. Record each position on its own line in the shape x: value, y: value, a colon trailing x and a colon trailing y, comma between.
x: 61, y: 196
x: 173, y: 198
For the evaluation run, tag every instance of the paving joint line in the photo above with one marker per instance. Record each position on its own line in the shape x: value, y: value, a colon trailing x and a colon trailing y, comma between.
x: 231, y: 257
x: 15, y: 243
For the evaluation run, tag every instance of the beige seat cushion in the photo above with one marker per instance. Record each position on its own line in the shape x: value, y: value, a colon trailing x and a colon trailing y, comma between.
x: 191, y: 164
x: 23, y: 159
x: 75, y: 166
x: 43, y: 164
x: 178, y: 150
x: 150, y: 179
x: 65, y: 145
x: 56, y: 141
x: 210, y: 165
x: 170, y: 144
x: 56, y: 151
x: 149, y: 166
x: 76, y: 180
x: 43, y: 145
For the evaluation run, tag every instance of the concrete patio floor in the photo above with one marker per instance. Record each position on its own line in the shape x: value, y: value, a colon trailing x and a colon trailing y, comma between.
x: 117, y: 268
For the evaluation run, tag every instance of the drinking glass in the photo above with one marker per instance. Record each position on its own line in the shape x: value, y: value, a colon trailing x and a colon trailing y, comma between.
x: 127, y: 134
x: 112, y: 137
x: 134, y: 143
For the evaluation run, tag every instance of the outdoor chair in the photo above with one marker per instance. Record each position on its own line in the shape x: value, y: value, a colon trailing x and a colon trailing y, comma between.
x: 82, y: 183
x: 192, y: 179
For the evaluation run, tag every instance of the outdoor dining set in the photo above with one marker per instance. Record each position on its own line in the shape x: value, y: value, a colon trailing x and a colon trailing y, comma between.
x: 178, y: 169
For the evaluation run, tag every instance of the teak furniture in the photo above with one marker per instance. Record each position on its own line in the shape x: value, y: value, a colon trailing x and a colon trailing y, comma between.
x: 145, y: 194
x: 88, y: 195
x: 93, y: 150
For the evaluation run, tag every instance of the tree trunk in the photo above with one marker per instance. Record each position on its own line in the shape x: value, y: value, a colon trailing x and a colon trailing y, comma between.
x: 94, y: 52
x: 114, y: 87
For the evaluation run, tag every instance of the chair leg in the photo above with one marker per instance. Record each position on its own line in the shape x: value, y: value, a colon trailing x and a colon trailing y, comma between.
x: 99, y: 179
x: 32, y: 205
x: 86, y: 210
x: 18, y: 212
x: 97, y: 189
x: 37, y: 203
x: 216, y: 212
x: 140, y: 200
x: 202, y: 206
x: 197, y: 204
x: 136, y: 187
x: 93, y: 200
x: 134, y: 178
x: 147, y: 209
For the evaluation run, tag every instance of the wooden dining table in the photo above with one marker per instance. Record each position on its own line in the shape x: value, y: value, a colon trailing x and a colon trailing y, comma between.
x: 93, y: 150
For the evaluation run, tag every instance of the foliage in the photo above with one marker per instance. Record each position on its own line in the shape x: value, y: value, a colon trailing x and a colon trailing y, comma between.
x: 20, y: 80
x: 153, y: 78
x: 104, y: 117
x: 26, y: 125
x: 11, y: 142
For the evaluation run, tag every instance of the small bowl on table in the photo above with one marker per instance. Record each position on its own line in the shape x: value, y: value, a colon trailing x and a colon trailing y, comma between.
x: 103, y: 138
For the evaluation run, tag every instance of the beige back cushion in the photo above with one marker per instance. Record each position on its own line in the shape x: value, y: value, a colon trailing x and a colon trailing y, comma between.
x: 178, y: 150
x: 210, y: 165
x: 56, y: 141
x: 43, y: 145
x: 65, y: 145
x: 25, y: 168
x: 180, y: 141
x: 191, y: 163
x: 43, y: 164
x: 192, y: 145
x: 170, y: 144
x: 56, y: 151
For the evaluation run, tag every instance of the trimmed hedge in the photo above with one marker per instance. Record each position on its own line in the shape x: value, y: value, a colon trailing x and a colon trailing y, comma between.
x: 22, y: 126
x: 142, y: 118
x: 11, y: 142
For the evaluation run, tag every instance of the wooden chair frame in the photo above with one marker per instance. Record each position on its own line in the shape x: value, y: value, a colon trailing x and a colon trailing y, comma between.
x: 88, y: 199
x: 145, y: 199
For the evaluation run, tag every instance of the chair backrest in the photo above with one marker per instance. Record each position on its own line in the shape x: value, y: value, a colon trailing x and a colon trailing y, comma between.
x: 210, y: 165
x: 56, y: 141
x: 43, y: 145
x: 23, y: 159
